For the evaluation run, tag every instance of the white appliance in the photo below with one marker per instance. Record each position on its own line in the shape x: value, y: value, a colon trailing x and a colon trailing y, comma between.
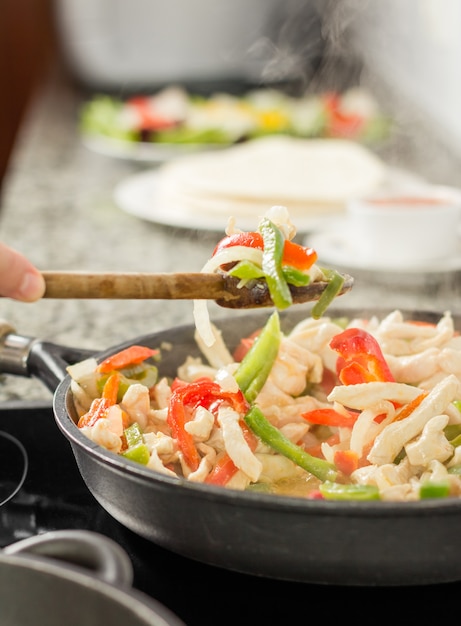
x: 141, y: 44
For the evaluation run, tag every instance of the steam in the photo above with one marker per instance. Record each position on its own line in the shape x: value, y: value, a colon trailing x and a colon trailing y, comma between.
x: 310, y: 45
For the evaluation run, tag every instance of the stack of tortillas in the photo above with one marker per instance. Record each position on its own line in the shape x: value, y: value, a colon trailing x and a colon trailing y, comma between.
x: 311, y: 176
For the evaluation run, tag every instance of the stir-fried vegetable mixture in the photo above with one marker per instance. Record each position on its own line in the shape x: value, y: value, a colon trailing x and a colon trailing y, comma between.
x: 271, y: 255
x: 174, y: 116
x: 333, y: 409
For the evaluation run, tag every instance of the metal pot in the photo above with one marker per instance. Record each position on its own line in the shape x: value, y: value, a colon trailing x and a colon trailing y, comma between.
x: 311, y: 541
x: 73, y: 577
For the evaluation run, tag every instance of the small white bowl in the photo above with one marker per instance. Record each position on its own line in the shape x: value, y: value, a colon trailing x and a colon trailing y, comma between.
x: 408, y: 228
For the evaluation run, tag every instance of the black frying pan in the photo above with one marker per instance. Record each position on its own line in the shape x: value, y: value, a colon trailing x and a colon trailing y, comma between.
x: 312, y: 541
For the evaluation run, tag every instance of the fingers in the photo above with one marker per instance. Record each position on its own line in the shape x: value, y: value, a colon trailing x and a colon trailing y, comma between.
x: 19, y: 279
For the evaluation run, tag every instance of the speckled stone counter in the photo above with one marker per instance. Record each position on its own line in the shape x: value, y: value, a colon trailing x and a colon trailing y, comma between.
x: 58, y: 209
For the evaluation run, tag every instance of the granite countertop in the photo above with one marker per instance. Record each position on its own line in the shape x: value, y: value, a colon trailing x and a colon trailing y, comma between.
x: 58, y: 209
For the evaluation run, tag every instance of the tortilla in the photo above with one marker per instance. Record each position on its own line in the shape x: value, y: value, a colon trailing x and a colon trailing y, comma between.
x: 308, y: 176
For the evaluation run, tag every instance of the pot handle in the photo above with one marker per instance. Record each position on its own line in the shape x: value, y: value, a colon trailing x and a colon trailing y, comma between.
x: 97, y: 554
x: 30, y: 357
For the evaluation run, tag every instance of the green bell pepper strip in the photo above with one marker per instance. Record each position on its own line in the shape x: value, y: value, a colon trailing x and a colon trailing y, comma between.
x: 137, y: 450
x: 133, y: 435
x: 453, y: 433
x: 139, y: 454
x: 256, y: 365
x: 335, y: 283
x: 100, y: 117
x: 184, y: 135
x: 295, y: 277
x: 274, y: 242
x: 336, y: 491
x: 272, y: 436
x: 246, y: 270
x: 146, y: 375
x: 434, y: 490
x: 456, y: 441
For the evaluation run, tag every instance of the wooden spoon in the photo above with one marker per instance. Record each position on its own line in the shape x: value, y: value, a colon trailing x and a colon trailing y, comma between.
x: 179, y: 286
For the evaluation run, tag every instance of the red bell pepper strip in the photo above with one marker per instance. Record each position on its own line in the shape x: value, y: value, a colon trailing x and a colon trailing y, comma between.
x: 346, y: 461
x: 185, y: 398
x: 222, y: 472
x: 205, y: 392
x: 149, y: 118
x: 99, y: 407
x: 410, y: 407
x: 329, y: 380
x: 97, y: 410
x: 341, y: 123
x: 177, y: 418
x: 294, y: 255
x: 360, y: 358
x: 248, y: 239
x: 111, y: 387
x: 330, y: 417
x: 244, y: 346
x: 126, y: 358
x: 355, y: 373
x: 298, y: 256
x: 315, y: 495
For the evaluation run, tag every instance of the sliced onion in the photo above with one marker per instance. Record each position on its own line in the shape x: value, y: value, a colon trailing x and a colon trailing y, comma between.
x: 228, y: 255
x: 232, y: 255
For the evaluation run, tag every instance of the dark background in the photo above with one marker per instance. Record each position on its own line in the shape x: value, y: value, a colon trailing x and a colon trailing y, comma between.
x: 27, y: 47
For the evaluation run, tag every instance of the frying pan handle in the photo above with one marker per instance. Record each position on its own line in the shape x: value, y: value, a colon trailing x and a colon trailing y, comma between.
x: 97, y: 554
x: 30, y: 357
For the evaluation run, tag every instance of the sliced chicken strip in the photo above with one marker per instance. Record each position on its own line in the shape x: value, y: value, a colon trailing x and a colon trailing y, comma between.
x: 366, y: 395
x: 389, y: 443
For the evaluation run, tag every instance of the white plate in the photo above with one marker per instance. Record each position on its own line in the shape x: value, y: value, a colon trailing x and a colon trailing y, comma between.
x: 334, y: 247
x: 144, y: 152
x: 136, y: 195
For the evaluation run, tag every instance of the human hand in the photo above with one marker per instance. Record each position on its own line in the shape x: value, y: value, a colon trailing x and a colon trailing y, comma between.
x: 19, y: 278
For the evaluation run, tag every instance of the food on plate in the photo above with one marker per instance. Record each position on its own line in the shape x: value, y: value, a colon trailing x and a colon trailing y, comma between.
x: 333, y: 409
x: 317, y: 176
x: 268, y: 255
x: 175, y: 116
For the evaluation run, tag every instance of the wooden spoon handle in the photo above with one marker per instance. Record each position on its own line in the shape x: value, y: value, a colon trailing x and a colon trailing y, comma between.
x: 182, y: 286
x: 224, y: 289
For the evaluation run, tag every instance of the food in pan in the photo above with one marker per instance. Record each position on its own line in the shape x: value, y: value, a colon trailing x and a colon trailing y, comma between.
x: 353, y: 409
x: 174, y: 116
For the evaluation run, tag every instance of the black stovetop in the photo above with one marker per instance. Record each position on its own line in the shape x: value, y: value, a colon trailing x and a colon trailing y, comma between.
x: 54, y: 496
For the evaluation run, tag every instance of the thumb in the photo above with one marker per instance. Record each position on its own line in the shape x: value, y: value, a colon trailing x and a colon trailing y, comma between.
x: 19, y: 278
